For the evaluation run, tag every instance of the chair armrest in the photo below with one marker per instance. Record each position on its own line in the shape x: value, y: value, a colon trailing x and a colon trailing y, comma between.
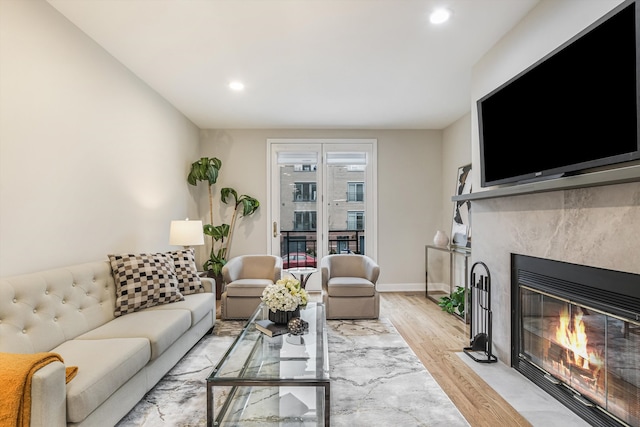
x: 278, y: 270
x: 231, y: 270
x: 325, y: 270
x: 49, y: 396
x: 372, y: 270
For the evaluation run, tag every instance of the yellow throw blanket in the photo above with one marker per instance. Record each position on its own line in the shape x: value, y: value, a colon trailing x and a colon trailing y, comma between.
x: 16, y: 373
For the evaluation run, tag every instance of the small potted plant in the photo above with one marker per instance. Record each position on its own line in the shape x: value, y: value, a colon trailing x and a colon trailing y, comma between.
x: 454, y: 303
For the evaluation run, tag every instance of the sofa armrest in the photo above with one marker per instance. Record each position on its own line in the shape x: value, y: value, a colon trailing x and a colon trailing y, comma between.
x: 209, y: 284
x: 49, y: 396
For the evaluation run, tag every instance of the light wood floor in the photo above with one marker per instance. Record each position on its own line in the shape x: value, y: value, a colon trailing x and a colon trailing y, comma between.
x: 436, y: 337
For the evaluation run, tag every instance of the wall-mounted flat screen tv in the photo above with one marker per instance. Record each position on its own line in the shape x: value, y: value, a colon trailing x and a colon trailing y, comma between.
x: 573, y: 110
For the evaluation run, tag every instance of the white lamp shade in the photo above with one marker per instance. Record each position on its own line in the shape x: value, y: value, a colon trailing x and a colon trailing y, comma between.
x: 186, y: 233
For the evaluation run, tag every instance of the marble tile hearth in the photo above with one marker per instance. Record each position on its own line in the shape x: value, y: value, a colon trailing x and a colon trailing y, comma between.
x: 533, y: 403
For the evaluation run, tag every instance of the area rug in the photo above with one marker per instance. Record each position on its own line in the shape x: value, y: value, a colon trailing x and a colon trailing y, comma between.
x: 376, y: 379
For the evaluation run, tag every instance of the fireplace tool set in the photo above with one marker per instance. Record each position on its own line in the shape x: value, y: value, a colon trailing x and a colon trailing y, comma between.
x: 480, y: 315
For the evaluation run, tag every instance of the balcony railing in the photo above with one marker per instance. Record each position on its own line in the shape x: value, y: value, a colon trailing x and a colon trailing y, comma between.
x: 340, y: 241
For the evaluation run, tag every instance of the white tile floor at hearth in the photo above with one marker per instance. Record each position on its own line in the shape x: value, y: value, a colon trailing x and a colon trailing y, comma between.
x: 533, y: 403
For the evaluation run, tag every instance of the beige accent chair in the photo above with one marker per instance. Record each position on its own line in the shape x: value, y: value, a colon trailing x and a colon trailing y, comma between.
x: 349, y: 286
x: 245, y: 278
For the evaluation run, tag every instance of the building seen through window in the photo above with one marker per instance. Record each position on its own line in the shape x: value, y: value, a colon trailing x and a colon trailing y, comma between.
x: 305, y: 192
x: 345, y: 203
x: 305, y: 220
x: 355, y: 192
x: 355, y: 220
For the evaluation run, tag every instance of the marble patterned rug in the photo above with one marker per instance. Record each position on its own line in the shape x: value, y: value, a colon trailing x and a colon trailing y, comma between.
x: 376, y: 379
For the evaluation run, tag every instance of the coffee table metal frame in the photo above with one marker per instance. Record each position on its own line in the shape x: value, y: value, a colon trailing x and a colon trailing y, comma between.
x: 239, y: 370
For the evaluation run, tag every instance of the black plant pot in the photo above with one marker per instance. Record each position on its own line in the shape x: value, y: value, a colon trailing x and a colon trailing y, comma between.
x: 283, y: 317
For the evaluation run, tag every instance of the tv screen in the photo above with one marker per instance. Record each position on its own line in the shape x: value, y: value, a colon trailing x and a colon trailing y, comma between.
x: 575, y: 109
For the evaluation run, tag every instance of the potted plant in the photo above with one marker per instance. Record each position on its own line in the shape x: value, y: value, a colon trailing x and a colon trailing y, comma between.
x: 454, y: 303
x: 207, y: 170
x: 222, y: 235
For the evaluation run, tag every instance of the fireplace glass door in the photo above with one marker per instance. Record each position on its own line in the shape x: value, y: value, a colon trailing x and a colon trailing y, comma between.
x: 593, y: 353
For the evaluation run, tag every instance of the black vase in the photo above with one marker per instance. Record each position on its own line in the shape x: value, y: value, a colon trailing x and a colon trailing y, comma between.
x: 282, y: 317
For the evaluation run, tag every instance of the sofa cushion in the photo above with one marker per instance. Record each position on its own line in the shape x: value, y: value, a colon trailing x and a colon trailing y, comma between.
x: 142, y: 281
x: 247, y: 287
x: 186, y: 272
x: 198, y: 305
x: 350, y: 287
x: 103, y: 367
x: 161, y: 328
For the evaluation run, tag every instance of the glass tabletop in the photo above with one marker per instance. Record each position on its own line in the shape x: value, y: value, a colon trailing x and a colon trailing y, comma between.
x: 281, y: 380
x: 255, y: 356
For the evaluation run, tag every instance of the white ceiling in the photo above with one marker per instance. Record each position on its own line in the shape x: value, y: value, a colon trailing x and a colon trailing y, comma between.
x: 312, y: 64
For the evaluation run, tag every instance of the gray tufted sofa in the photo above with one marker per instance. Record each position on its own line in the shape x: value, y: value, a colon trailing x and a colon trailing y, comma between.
x: 70, y: 311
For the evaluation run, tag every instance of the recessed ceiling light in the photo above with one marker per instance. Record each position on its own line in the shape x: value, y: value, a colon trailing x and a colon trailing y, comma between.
x: 236, y: 86
x: 439, y: 16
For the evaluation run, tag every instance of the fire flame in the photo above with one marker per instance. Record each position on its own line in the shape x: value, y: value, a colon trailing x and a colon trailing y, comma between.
x: 575, y: 339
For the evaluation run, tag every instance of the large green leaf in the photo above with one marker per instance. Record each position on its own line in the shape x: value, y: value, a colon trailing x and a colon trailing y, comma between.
x: 249, y: 205
x: 205, y: 169
x: 226, y: 192
x: 218, y: 232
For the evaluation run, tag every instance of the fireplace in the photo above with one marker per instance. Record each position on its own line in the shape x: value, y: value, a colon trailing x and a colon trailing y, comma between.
x: 576, y: 334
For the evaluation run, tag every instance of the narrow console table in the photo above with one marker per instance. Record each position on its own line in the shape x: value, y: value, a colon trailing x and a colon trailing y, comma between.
x: 452, y: 252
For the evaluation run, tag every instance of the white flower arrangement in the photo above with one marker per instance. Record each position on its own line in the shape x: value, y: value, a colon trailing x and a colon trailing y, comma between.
x: 285, y: 295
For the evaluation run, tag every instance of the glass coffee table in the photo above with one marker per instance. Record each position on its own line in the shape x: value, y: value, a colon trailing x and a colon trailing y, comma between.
x: 282, y: 380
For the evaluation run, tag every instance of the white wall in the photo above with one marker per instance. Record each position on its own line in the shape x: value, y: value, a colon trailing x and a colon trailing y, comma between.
x: 409, y: 192
x: 92, y: 161
x: 456, y: 152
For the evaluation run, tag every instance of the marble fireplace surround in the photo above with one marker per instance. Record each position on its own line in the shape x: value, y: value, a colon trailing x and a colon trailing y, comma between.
x: 595, y: 226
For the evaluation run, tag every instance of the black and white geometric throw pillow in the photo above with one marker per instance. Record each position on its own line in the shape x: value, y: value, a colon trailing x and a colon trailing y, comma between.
x: 143, y: 280
x: 184, y: 263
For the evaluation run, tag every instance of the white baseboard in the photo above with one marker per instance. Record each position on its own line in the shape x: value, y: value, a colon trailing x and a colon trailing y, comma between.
x: 400, y: 287
x: 412, y: 287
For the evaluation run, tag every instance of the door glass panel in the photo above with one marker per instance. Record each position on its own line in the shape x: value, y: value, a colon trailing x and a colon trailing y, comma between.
x: 346, y: 207
x: 298, y: 209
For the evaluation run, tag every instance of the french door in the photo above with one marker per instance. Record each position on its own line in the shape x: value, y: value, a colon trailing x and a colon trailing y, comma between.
x: 322, y: 200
